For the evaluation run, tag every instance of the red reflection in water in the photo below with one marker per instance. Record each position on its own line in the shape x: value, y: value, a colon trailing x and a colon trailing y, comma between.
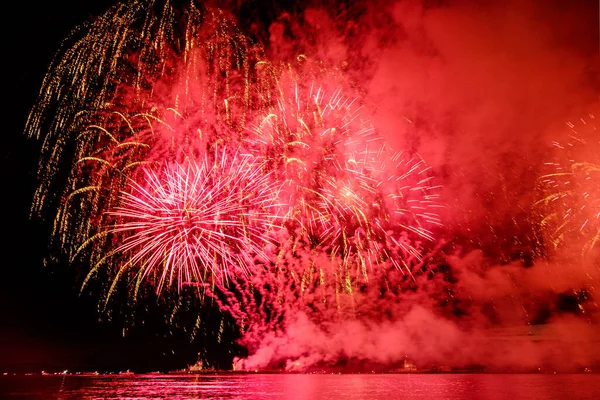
x: 300, y: 386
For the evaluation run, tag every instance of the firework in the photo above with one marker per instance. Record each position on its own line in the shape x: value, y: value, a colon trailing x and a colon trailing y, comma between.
x: 184, y: 160
x: 346, y: 193
x: 147, y: 82
x: 195, y: 222
x: 571, y: 190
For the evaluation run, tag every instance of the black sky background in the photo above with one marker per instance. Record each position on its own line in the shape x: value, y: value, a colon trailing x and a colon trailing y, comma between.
x: 44, y: 323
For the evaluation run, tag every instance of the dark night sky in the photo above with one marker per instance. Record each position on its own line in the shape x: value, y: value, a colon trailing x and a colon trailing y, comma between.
x: 44, y: 324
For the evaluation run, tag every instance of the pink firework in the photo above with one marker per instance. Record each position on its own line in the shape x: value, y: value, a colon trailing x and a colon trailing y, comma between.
x: 196, y: 222
x: 345, y: 192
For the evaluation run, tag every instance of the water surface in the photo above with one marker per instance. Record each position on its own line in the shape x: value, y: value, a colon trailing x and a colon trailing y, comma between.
x: 314, y: 387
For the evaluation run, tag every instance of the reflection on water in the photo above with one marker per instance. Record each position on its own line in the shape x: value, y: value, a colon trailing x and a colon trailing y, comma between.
x: 289, y: 386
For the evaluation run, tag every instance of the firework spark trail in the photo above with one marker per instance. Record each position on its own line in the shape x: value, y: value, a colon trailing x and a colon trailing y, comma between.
x: 142, y: 83
x: 346, y: 190
x: 332, y: 267
x: 571, y: 190
x: 196, y: 222
x: 292, y: 301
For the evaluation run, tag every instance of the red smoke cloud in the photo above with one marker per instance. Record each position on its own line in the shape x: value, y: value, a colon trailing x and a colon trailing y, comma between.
x: 480, y: 91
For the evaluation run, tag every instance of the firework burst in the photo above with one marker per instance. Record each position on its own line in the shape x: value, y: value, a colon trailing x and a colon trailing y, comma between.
x: 195, y: 222
x: 345, y: 193
x: 571, y: 190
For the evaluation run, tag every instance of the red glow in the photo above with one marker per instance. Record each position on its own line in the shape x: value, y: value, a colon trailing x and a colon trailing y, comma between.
x: 355, y: 192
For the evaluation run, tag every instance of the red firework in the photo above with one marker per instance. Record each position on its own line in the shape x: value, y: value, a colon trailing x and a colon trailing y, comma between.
x: 345, y: 192
x: 196, y: 222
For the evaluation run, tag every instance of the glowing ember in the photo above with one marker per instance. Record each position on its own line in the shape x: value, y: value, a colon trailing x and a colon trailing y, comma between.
x: 572, y: 190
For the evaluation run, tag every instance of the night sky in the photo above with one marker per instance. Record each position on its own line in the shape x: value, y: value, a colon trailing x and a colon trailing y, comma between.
x: 44, y: 323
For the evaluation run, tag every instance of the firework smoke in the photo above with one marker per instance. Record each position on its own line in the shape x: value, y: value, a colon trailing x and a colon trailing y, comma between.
x: 454, y: 83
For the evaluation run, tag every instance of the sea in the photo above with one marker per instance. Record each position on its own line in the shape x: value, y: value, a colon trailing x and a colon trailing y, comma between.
x: 304, y: 386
